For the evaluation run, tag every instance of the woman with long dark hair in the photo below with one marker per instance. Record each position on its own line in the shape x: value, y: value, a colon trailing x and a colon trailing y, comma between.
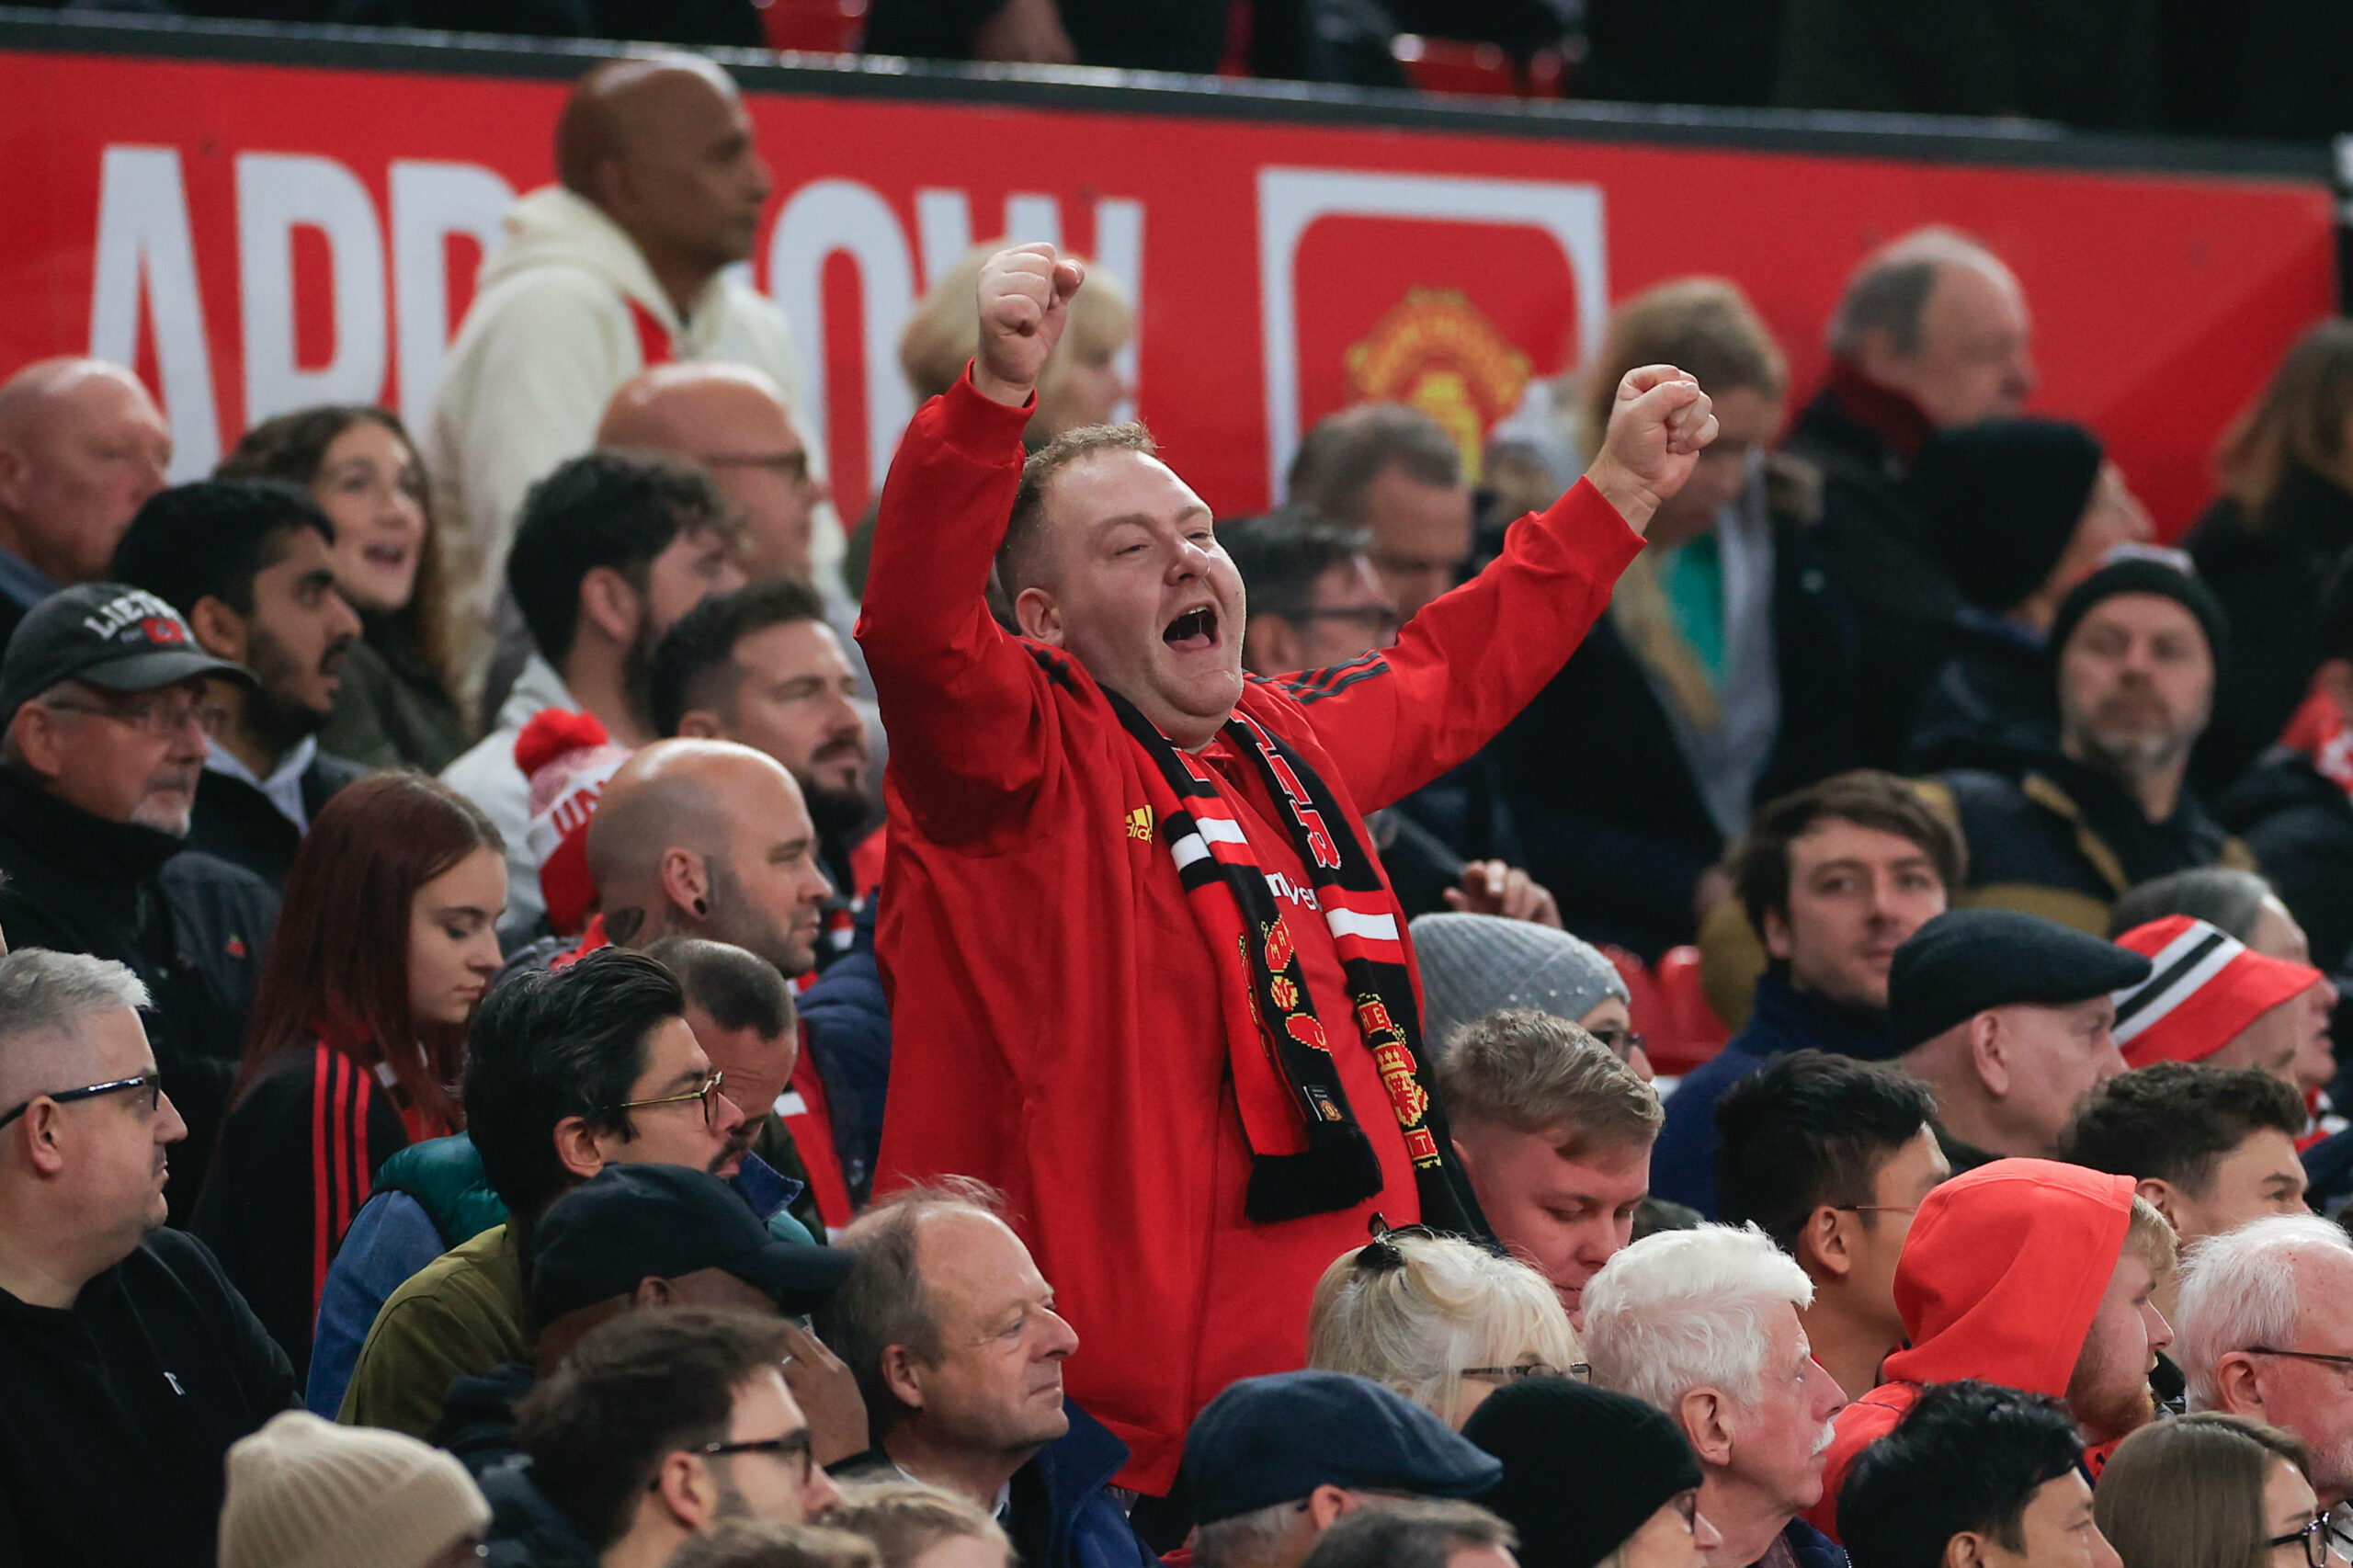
x: 387, y: 942
x: 394, y: 709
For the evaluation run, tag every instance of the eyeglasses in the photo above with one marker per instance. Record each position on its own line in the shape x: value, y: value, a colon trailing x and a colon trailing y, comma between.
x: 792, y: 1447
x: 1503, y: 1376
x: 2315, y: 1537
x: 2340, y: 1362
x: 151, y: 1081
x: 1619, y: 1042
x: 792, y: 466
x: 156, y: 715
x: 708, y: 1094
x: 1876, y: 1208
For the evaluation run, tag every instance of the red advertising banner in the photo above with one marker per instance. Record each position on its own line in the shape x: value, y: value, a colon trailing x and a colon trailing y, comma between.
x: 255, y: 237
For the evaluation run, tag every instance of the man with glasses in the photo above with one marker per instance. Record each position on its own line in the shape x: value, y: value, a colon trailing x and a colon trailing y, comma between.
x: 956, y: 1346
x: 130, y: 1364
x: 1831, y: 1157
x: 102, y: 693
x: 2267, y: 1331
x: 657, y: 1424
x: 567, y: 1072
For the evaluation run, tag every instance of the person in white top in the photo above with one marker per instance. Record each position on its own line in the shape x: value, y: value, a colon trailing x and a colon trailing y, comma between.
x: 617, y: 265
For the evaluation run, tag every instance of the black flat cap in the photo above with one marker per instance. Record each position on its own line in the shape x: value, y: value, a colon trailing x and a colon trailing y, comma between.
x: 1966, y: 960
x: 1584, y: 1468
x: 1277, y: 1439
x: 632, y: 1223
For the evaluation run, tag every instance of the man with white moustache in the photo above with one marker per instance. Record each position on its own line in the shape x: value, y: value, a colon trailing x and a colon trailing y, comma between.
x: 1704, y: 1324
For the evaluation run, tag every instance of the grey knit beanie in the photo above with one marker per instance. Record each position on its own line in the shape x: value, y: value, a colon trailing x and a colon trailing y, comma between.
x: 308, y: 1493
x: 1474, y: 964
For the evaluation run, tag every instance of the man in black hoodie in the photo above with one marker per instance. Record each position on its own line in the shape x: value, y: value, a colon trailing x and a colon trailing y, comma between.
x: 102, y: 692
x: 130, y: 1363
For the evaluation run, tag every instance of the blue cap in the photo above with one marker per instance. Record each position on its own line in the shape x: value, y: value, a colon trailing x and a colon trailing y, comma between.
x: 1277, y: 1439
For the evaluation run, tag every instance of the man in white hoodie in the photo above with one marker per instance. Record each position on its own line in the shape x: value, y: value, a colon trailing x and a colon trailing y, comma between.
x: 616, y: 266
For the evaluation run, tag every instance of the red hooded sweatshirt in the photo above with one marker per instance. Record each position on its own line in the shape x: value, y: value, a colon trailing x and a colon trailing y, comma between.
x: 1056, y: 1023
x: 1999, y: 1280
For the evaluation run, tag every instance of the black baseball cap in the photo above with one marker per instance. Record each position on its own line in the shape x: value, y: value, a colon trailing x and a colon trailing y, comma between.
x: 1275, y: 1438
x: 632, y: 1223
x: 121, y: 638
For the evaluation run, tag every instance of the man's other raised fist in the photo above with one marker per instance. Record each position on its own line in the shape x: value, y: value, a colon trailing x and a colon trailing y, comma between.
x: 1025, y: 296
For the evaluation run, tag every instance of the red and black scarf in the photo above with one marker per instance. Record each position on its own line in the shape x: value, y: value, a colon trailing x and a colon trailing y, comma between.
x: 1308, y: 1155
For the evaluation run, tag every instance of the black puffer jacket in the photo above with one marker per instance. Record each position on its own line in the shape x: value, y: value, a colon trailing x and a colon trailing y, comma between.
x: 2300, y: 828
x: 193, y: 929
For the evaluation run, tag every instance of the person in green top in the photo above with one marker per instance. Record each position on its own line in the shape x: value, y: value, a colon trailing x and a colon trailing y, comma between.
x: 394, y: 709
x: 568, y: 1072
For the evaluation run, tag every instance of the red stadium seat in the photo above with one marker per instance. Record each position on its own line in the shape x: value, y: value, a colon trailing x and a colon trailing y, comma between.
x: 1680, y: 1029
x: 812, y: 27
x: 1481, y: 70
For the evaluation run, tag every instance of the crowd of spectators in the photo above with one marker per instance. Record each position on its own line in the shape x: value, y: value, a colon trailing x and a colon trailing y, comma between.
x: 495, y: 1065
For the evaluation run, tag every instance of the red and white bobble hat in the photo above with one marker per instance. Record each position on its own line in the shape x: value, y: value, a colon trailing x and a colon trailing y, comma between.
x: 2204, y: 988
x: 567, y: 757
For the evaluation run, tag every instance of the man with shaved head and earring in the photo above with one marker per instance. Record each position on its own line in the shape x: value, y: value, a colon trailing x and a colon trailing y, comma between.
x: 1149, y: 978
x: 616, y: 266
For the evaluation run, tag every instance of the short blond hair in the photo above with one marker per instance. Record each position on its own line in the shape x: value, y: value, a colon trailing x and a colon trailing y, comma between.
x: 944, y: 332
x: 1411, y: 1311
x: 1531, y: 1072
x: 2150, y: 1237
x: 907, y: 1519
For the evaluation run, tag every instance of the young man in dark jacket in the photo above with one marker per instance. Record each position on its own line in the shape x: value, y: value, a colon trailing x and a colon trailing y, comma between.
x: 130, y: 1363
x: 1834, y: 879
x: 246, y: 562
x: 102, y: 692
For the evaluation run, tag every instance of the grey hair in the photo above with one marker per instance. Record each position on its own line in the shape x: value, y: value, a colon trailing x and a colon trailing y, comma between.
x: 1245, y: 1540
x: 1889, y: 293
x: 2239, y: 1290
x: 50, y: 993
x: 1687, y: 1309
x: 1340, y: 457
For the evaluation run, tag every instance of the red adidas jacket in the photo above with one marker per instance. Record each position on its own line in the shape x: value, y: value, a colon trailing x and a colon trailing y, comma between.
x: 1055, y: 1023
x: 1999, y: 1280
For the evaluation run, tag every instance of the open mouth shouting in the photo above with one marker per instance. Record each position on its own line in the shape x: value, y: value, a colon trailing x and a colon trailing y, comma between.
x: 1195, y: 631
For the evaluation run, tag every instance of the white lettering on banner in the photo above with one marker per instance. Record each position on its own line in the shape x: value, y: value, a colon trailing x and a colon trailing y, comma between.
x: 943, y: 232
x: 143, y: 236
x: 1030, y: 218
x: 1290, y: 201
x: 430, y: 202
x: 842, y: 215
x: 1119, y: 245
x: 276, y: 193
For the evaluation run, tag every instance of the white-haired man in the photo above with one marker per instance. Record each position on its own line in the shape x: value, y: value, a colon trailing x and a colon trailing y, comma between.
x: 1704, y: 1324
x: 130, y: 1363
x: 2267, y: 1331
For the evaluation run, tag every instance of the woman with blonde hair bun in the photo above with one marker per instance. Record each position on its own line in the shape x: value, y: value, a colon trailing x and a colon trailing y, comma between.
x: 1442, y: 1321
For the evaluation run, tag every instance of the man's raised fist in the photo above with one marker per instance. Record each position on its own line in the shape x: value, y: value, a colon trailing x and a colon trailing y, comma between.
x: 1657, y: 426
x: 1025, y: 296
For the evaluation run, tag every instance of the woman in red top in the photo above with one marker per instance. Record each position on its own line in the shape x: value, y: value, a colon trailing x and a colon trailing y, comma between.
x: 388, y: 941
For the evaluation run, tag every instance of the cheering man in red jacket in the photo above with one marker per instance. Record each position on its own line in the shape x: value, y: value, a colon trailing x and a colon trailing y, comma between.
x: 1147, y: 976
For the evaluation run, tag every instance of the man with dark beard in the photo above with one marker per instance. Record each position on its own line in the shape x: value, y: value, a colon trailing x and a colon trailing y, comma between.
x: 2135, y: 649
x: 612, y: 549
x: 246, y: 563
x: 760, y: 666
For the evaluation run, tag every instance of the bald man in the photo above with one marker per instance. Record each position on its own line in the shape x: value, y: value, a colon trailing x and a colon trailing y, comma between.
x: 1932, y: 332
x: 82, y: 446
x: 707, y: 838
x: 616, y: 266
